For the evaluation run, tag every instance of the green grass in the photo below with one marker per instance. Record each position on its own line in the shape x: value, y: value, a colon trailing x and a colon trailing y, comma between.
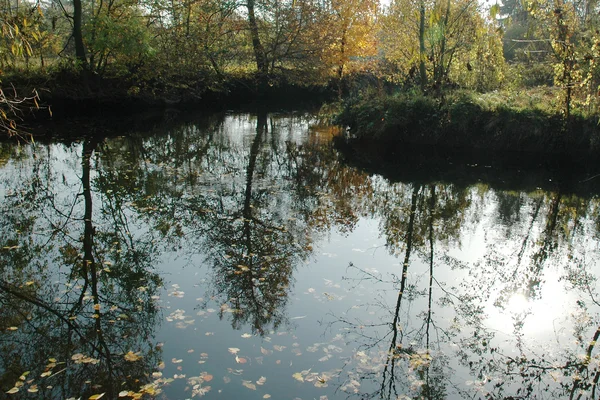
x: 528, y: 120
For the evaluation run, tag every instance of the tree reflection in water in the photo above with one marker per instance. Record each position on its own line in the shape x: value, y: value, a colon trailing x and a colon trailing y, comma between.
x: 77, y: 309
x: 477, y: 306
x: 443, y: 341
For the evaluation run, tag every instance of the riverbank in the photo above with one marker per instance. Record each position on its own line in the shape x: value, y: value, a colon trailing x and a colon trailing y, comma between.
x: 65, y: 94
x: 524, y: 123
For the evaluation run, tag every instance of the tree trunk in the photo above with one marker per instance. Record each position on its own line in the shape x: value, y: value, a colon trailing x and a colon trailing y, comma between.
x: 342, y: 62
x: 422, y: 70
x: 262, y: 64
x: 78, y: 34
x: 440, y: 73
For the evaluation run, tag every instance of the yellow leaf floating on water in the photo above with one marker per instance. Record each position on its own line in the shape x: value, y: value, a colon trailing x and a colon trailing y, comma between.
x: 265, y: 351
x: 249, y: 385
x: 246, y: 335
x: 233, y: 350
x: 33, y: 389
x: 131, y: 356
x: 124, y: 393
x: 267, y: 396
x: 12, y: 328
x: 97, y: 396
x: 298, y: 376
x: 13, y: 390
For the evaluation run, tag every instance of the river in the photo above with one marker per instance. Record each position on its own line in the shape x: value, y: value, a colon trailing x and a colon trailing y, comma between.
x: 241, y: 256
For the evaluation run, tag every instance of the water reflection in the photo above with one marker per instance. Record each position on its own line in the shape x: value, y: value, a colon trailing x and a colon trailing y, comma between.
x: 77, y: 307
x: 257, y: 229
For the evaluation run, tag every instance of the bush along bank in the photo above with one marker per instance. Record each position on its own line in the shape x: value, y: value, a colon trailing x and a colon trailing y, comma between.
x: 67, y: 94
x: 467, y: 120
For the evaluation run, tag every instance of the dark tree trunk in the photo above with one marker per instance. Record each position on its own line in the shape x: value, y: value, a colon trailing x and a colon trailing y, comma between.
x: 422, y: 70
x: 78, y: 34
x: 259, y: 51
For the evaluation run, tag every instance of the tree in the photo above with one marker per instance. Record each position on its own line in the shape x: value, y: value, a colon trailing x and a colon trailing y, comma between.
x: 431, y: 37
x: 259, y: 51
x: 351, y: 32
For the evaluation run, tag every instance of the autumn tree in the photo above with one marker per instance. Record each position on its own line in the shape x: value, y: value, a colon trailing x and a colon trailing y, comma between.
x: 425, y: 39
x: 350, y: 32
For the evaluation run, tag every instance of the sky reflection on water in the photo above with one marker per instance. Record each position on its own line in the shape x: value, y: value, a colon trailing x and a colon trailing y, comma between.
x: 239, y: 256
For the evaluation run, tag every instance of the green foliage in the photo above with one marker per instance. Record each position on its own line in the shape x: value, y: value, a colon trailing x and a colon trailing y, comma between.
x: 373, y: 114
x: 529, y: 75
x: 124, y: 41
x: 530, y: 121
x: 482, y: 68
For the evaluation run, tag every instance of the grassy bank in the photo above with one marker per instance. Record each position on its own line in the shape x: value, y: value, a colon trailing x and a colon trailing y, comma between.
x: 497, y: 121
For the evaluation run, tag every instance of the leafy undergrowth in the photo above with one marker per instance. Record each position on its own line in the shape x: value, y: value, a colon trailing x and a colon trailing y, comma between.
x: 505, y: 121
x: 68, y: 92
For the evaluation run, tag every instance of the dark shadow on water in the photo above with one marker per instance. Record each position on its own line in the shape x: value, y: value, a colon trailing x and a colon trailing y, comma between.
x: 500, y: 170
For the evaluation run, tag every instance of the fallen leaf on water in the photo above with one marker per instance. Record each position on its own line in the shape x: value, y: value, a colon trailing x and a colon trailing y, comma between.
x: 201, y: 391
x: 176, y: 361
x: 97, y: 396
x: 33, y: 389
x: 298, y: 376
x: 123, y: 393
x: 233, y: 350
x: 279, y: 348
x: 246, y: 335
x: 13, y: 390
x: 131, y: 356
x: 207, y: 377
x: 235, y: 371
x: 267, y: 396
x: 265, y: 351
x: 261, y: 381
x: 249, y: 385
x: 240, y: 360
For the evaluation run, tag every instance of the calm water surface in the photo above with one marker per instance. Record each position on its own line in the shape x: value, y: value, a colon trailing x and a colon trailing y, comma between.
x: 240, y: 257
